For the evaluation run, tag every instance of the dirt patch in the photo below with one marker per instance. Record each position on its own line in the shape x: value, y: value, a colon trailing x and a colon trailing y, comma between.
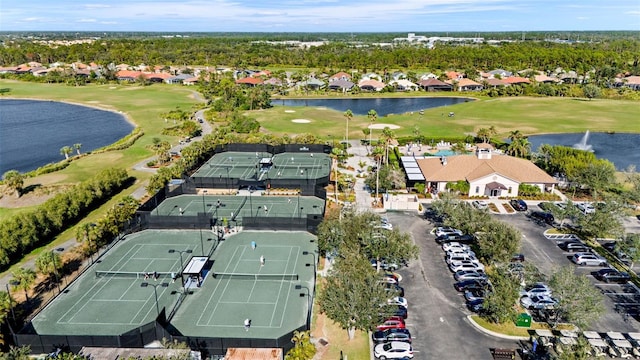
x: 300, y: 121
x: 10, y: 201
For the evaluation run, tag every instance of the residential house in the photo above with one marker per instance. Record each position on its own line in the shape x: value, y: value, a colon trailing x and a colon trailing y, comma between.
x: 500, y: 73
x: 273, y: 82
x: 403, y: 85
x: 371, y: 76
x: 178, y: 79
x: 249, y: 81
x: 454, y: 75
x: 341, y: 85
x: 128, y: 75
x: 190, y: 81
x: 434, y: 84
x: 8, y: 70
x: 488, y: 173
x: 516, y: 80
x: 371, y: 85
x: 428, y: 76
x: 544, y: 79
x: 157, y: 77
x: 632, y: 82
x: 340, y: 76
x: 311, y: 84
x: 494, y: 83
x: 468, y: 85
x: 398, y: 75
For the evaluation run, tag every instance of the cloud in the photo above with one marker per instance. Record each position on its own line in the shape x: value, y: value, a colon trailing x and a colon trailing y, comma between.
x: 583, y: 18
x: 87, y: 20
x: 633, y: 12
x: 96, y: 6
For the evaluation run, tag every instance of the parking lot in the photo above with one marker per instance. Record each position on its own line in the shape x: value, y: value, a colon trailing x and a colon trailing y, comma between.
x: 437, y: 313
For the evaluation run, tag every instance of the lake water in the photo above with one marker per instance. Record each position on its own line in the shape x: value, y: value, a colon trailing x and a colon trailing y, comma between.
x: 32, y: 132
x: 383, y: 106
x: 619, y: 148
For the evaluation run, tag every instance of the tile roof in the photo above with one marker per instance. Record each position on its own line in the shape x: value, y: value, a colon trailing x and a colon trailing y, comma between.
x: 516, y: 80
x: 467, y: 82
x: 432, y: 82
x: 128, y: 74
x: 495, y: 82
x: 469, y: 167
x: 453, y: 75
x: 340, y: 75
x: 632, y: 80
x: 544, y: 78
x: 249, y: 80
x: 378, y: 85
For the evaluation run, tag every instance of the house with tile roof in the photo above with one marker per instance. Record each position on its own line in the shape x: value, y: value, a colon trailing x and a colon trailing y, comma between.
x: 465, y: 84
x: 487, y: 172
x: 249, y: 81
x: 516, y: 80
x: 403, y: 85
x: 544, y: 79
x: 311, y: 84
x: 371, y: 85
x: 341, y: 85
x: 494, y: 83
x: 340, y: 76
x: 632, y: 82
x: 454, y: 75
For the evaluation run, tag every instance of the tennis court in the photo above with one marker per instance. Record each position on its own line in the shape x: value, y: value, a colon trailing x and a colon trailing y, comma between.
x: 265, y: 294
x: 116, y: 301
x: 262, y: 166
x: 221, y: 206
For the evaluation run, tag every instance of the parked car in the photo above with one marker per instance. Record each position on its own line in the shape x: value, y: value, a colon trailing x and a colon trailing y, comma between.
x: 480, y: 204
x: 396, y: 289
x: 475, y: 294
x: 458, y: 251
x: 536, y: 291
x: 546, y: 206
x: 476, y: 305
x: 455, y: 245
x: 543, y: 216
x: 586, y: 208
x: 466, y: 265
x: 398, y: 300
x: 446, y: 230
x: 621, y: 255
x: 518, y: 204
x: 384, y: 265
x: 589, y: 259
x: 612, y: 275
x: 470, y: 275
x: 394, y: 322
x: 471, y: 284
x: 517, y: 258
x: 399, y: 311
x: 459, y: 257
x: 571, y: 244
x: 466, y: 238
x: 538, y: 302
x: 393, y: 350
x: 381, y: 336
x: 578, y: 249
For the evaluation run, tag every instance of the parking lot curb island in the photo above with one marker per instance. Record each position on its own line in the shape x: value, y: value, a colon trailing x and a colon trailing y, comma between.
x: 493, y: 333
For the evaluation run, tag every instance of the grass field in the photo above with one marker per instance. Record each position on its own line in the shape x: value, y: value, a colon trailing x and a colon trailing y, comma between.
x: 527, y: 114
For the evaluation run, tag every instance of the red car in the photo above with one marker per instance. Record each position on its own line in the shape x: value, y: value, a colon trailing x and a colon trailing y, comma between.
x: 394, y: 322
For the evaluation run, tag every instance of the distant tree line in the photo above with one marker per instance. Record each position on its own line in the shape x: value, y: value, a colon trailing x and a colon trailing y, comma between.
x: 29, y: 229
x: 239, y: 52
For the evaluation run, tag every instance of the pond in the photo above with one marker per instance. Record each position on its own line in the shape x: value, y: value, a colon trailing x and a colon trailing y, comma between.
x: 383, y: 106
x: 619, y: 148
x: 33, y: 131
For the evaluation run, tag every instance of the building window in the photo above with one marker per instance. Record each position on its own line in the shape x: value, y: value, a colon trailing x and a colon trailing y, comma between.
x: 509, y: 189
x: 477, y: 189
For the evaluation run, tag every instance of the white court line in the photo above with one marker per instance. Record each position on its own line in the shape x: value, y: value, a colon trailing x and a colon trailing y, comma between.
x: 253, y: 302
x: 216, y: 288
x: 289, y: 293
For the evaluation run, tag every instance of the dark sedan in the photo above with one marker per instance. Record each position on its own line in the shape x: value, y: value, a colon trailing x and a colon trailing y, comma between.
x: 612, y: 275
x: 455, y: 238
x: 518, y: 205
x: 391, y: 335
x: 470, y: 284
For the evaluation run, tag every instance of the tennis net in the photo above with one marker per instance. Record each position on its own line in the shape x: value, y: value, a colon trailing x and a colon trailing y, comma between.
x: 132, y: 274
x: 256, y: 277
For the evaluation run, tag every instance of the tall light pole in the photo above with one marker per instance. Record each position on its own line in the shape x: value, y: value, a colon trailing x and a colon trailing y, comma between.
x: 204, y: 208
x: 55, y: 268
x: 155, y: 291
x: 188, y: 251
x: 308, y: 295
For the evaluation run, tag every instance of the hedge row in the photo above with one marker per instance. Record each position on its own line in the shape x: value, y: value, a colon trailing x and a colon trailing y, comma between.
x: 30, y: 229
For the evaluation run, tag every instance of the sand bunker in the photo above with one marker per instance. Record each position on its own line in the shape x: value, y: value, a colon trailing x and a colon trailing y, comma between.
x: 301, y: 121
x: 382, y: 126
x: 289, y: 111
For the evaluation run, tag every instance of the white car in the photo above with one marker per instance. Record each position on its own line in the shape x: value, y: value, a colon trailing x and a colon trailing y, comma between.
x: 457, y: 251
x: 537, y: 290
x: 538, y: 302
x: 393, y: 350
x: 480, y: 204
x: 386, y: 226
x: 470, y: 275
x: 586, y: 208
x: 459, y: 257
x: 398, y: 300
x: 589, y: 259
x: 454, y: 245
x: 466, y: 265
x: 446, y: 230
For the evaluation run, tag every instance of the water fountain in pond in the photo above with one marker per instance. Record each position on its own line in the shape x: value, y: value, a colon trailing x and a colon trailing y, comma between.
x: 582, y: 145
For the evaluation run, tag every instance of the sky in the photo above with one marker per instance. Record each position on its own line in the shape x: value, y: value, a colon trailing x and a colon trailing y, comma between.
x: 419, y: 16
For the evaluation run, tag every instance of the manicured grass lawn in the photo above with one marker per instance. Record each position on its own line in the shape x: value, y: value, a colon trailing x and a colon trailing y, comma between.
x: 527, y: 114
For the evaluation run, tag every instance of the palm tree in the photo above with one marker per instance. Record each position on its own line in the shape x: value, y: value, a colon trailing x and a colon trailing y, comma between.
x: 348, y: 115
x: 484, y: 134
x: 66, y: 150
x: 23, y: 279
x: 515, y: 134
x: 373, y: 116
x: 48, y: 263
x: 14, y: 181
x: 77, y: 147
x: 388, y: 136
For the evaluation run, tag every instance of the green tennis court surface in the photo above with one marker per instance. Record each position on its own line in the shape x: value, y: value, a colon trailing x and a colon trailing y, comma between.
x: 263, y: 166
x: 114, y: 304
x: 221, y: 206
x: 273, y: 305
